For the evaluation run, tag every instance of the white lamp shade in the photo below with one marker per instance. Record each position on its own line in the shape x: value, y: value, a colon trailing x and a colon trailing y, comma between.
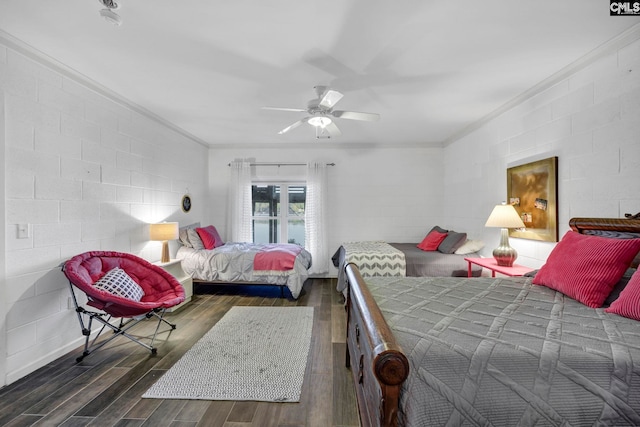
x: 504, y: 216
x: 163, y: 231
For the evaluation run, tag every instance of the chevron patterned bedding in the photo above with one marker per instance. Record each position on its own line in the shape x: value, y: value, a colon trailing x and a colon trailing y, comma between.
x: 373, y: 258
x: 505, y: 352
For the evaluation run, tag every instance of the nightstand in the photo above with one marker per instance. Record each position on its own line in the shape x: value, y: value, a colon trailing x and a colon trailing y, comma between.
x: 490, y: 264
x: 174, y: 267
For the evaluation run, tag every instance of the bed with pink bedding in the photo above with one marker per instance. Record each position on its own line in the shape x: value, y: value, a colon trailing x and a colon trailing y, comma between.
x: 283, y: 265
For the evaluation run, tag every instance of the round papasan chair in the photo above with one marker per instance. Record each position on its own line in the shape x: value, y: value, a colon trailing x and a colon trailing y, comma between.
x: 120, y: 285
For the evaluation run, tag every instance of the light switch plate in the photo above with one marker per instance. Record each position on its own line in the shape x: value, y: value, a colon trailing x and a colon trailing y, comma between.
x: 23, y: 231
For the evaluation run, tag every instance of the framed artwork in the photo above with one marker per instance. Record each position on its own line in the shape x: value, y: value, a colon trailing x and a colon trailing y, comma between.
x: 186, y: 203
x: 532, y: 189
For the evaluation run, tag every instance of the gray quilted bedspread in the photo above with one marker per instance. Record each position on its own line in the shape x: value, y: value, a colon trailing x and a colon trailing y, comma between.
x: 505, y: 352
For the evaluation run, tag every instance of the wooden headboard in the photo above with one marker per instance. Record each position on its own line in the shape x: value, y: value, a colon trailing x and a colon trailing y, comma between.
x: 607, y: 227
x: 620, y: 228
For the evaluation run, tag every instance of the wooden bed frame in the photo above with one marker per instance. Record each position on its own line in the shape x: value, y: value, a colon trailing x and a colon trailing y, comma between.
x: 378, y: 364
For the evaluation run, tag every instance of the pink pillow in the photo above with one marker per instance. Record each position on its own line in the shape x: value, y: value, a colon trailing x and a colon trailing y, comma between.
x: 210, y: 237
x: 628, y: 303
x: 586, y: 268
x: 432, y: 241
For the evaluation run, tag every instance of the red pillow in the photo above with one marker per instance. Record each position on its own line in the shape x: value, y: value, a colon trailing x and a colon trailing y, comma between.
x: 586, y: 268
x: 210, y: 237
x: 628, y: 303
x: 432, y: 241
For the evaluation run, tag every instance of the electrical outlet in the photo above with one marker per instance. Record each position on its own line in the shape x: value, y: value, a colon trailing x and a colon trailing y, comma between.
x: 70, y: 304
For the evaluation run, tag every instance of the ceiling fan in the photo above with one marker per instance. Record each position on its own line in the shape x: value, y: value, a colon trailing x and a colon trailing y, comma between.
x: 321, y: 113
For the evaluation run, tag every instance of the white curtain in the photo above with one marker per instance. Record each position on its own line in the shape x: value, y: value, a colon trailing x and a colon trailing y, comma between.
x: 240, y: 224
x: 315, y: 221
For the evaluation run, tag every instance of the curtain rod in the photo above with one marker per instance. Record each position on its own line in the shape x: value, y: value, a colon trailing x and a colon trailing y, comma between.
x: 281, y: 164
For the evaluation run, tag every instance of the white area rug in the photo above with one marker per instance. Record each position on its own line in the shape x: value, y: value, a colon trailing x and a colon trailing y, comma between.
x: 252, y: 353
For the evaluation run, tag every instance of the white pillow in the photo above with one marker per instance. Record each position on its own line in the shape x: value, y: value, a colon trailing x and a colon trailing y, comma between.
x: 469, y: 247
x: 118, y: 282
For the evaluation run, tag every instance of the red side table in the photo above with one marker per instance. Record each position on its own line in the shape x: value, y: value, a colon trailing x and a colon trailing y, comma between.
x: 490, y: 263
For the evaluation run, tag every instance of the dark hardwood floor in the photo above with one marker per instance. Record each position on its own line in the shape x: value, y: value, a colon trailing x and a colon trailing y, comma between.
x: 105, y: 388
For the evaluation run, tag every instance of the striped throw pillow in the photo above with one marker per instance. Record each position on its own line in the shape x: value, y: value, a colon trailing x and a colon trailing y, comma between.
x: 585, y: 267
x: 628, y: 303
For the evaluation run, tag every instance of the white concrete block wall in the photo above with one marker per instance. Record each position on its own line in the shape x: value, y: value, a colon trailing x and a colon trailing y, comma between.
x: 589, y: 120
x: 390, y: 194
x: 84, y: 173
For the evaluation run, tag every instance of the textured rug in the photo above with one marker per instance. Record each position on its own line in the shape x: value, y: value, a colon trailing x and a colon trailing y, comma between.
x: 252, y: 353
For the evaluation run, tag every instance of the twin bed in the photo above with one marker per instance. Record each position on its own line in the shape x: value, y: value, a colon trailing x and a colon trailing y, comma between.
x: 496, y: 351
x: 378, y: 258
x: 282, y: 265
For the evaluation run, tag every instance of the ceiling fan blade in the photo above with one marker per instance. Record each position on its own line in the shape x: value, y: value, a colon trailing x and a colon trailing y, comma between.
x: 292, y: 126
x: 298, y: 110
x: 354, y: 115
x: 330, y: 99
x: 333, y: 129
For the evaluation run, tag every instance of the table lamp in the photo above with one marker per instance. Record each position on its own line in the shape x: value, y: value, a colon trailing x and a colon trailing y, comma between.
x: 506, y: 217
x: 164, y: 232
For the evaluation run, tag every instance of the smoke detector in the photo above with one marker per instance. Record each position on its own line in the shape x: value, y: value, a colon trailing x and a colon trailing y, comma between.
x: 108, y: 13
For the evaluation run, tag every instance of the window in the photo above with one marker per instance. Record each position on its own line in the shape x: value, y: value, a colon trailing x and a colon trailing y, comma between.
x: 278, y: 213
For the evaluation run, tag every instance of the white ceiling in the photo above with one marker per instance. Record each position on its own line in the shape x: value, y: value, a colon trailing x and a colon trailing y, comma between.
x: 429, y: 68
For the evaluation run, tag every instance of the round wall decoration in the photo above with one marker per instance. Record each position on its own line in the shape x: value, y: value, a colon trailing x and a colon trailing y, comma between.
x: 186, y: 203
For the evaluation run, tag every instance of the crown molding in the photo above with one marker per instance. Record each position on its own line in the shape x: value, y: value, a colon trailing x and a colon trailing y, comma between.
x: 621, y: 40
x: 45, y: 60
x: 320, y: 144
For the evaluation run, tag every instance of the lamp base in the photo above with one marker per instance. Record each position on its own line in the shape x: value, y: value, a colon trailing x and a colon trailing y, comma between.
x: 165, y: 252
x: 504, y: 254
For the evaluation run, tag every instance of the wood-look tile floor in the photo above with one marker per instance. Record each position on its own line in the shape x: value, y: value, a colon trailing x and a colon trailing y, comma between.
x: 105, y: 388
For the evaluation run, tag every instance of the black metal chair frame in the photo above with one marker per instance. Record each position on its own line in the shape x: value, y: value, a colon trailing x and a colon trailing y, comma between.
x: 161, y: 291
x: 121, y: 329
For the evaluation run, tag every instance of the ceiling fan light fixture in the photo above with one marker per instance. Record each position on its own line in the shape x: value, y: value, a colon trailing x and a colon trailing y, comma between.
x: 319, y: 121
x: 320, y: 113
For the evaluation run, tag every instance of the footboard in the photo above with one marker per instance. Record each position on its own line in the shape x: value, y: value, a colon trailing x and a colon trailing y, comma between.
x: 377, y: 362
